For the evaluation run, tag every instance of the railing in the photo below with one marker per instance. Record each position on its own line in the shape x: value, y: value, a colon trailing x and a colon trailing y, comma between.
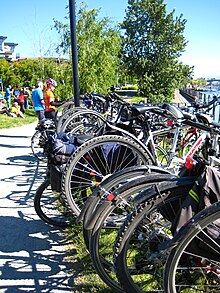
x: 202, y: 98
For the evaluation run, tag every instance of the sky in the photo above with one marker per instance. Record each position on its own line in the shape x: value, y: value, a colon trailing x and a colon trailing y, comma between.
x: 29, y: 22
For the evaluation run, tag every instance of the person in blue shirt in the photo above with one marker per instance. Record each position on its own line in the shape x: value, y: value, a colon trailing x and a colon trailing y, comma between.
x: 16, y: 93
x: 8, y: 95
x: 38, y: 101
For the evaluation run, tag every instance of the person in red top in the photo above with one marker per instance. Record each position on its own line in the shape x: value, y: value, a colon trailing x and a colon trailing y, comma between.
x: 21, y: 100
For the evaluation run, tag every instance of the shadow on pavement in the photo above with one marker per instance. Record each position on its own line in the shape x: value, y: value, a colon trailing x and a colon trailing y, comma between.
x: 33, y: 257
x: 29, y: 258
x: 14, y: 136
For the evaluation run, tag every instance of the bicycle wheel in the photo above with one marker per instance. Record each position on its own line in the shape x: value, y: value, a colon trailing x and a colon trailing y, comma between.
x: 38, y: 142
x: 62, y: 109
x: 193, y: 263
x: 108, y: 219
x: 50, y: 206
x: 91, y: 120
x: 162, y: 156
x: 107, y: 187
x: 60, y: 120
x: 94, y: 161
x: 143, y: 241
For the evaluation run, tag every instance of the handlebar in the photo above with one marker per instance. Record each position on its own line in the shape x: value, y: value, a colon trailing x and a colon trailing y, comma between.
x: 215, y: 99
x: 117, y: 97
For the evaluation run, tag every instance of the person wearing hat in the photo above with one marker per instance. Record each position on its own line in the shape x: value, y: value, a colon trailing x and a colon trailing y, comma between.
x: 49, y: 99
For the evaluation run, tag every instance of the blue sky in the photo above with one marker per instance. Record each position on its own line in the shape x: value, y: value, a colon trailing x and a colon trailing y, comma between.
x: 28, y: 23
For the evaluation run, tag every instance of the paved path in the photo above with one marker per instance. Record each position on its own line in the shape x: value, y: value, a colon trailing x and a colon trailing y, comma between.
x: 32, y: 254
x: 179, y: 99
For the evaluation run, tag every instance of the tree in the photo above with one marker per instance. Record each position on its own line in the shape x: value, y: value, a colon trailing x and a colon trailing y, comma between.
x: 152, y: 43
x: 27, y: 72
x: 99, y: 45
x: 7, y: 73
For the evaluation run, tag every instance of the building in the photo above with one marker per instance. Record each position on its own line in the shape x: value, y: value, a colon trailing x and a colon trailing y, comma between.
x: 7, y: 50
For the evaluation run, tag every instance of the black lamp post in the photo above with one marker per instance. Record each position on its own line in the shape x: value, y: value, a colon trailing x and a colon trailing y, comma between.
x: 75, y: 74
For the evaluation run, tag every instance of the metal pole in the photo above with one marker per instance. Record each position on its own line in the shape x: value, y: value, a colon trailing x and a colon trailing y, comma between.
x: 74, y: 52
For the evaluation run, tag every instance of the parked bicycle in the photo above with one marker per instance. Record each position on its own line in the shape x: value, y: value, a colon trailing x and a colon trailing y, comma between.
x: 117, y: 184
x: 105, y: 218
x: 193, y: 262
x: 39, y: 139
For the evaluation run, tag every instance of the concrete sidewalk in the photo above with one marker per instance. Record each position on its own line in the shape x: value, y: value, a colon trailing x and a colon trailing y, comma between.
x: 179, y: 99
x: 32, y: 253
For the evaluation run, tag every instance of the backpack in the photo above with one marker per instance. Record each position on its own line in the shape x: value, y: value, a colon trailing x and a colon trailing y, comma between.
x: 60, y: 147
x: 204, y: 193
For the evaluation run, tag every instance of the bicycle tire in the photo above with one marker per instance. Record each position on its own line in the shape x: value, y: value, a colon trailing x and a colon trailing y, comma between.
x: 62, y: 109
x: 87, y: 168
x: 91, y: 120
x: 105, y: 188
x: 112, y: 182
x: 49, y: 206
x: 108, y: 218
x: 142, y: 243
x: 192, y: 268
x: 37, y: 145
x: 61, y: 119
x: 162, y: 156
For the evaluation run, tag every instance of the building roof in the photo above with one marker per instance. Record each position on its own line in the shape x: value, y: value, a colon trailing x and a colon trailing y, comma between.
x: 10, y: 44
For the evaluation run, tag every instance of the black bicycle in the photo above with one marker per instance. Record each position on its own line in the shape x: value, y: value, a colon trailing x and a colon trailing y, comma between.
x: 193, y: 263
x: 39, y: 139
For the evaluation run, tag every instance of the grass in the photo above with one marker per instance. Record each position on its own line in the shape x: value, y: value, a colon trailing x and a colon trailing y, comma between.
x: 10, y: 122
x: 136, y: 100
x: 85, y: 277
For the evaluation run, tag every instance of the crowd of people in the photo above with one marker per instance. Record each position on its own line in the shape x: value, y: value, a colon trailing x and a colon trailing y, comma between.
x: 16, y: 100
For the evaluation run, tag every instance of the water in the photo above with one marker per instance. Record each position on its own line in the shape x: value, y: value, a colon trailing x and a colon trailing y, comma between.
x: 204, y: 97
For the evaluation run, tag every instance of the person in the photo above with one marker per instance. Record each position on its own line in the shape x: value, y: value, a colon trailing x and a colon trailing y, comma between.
x: 21, y: 100
x: 3, y: 108
x: 38, y: 101
x: 49, y: 99
x: 195, y: 100
x: 8, y: 95
x: 26, y: 98
x: 16, y: 93
x: 17, y: 110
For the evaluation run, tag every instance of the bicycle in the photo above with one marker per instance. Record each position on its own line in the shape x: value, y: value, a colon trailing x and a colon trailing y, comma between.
x: 49, y: 203
x: 142, y: 243
x: 133, y: 275
x: 97, y: 255
x: 193, y: 263
x: 43, y: 130
x: 107, y: 219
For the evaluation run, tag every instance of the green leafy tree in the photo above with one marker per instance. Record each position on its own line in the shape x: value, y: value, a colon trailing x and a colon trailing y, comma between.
x: 7, y: 73
x: 198, y: 82
x: 27, y: 72
x: 152, y: 43
x: 99, y: 45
